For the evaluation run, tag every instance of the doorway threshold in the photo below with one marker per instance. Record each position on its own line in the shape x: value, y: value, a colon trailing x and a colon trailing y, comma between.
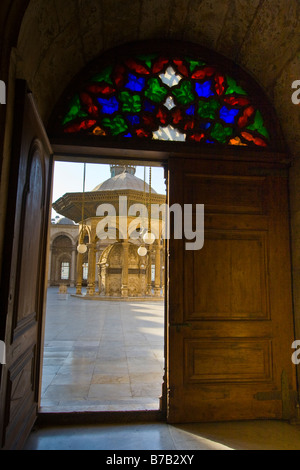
x: 90, y: 418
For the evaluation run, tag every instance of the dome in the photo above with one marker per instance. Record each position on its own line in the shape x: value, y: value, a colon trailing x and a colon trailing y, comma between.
x: 122, y: 182
x: 65, y: 221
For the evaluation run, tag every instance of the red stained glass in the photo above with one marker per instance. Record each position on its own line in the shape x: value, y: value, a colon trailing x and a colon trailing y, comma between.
x: 236, y: 100
x: 81, y: 126
x: 181, y: 68
x: 87, y: 100
x: 243, y: 121
x: 203, y: 73
x: 197, y: 137
x: 159, y: 65
x: 220, y: 79
x: 103, y: 89
x: 146, y: 100
x: 256, y: 140
x: 142, y: 133
x: 162, y: 116
x: 189, y: 125
x: 260, y: 142
x: 177, y: 116
x: 132, y: 64
x: 119, y: 75
x: 149, y: 122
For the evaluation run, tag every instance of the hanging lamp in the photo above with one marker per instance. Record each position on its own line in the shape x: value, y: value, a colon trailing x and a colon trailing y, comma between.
x: 149, y: 238
x: 82, y: 247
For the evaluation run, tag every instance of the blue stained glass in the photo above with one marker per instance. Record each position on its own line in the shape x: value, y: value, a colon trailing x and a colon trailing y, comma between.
x: 205, y: 125
x: 228, y: 115
x: 204, y: 90
x: 133, y: 119
x: 128, y: 135
x: 149, y: 107
x: 191, y: 110
x: 109, y: 106
x: 135, y: 83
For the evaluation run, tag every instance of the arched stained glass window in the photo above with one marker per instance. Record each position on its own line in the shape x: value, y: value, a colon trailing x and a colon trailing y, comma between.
x: 166, y: 98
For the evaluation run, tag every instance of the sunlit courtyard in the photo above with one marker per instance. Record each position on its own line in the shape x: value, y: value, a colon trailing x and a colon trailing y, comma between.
x: 102, y: 355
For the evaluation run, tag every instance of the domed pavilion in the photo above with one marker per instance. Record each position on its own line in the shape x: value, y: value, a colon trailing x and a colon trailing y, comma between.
x: 125, y: 263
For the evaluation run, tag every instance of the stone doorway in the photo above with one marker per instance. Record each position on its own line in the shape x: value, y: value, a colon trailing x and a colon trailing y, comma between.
x: 103, y: 351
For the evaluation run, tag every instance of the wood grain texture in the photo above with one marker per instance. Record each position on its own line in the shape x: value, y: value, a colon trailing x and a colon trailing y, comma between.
x: 230, y: 300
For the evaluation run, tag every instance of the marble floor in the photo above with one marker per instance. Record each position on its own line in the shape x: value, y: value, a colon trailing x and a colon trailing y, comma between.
x: 251, y: 435
x: 108, y: 356
x: 102, y: 356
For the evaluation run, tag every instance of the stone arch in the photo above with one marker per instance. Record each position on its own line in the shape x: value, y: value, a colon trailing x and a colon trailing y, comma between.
x: 85, y: 236
x: 111, y: 271
x: 67, y: 38
x: 56, y: 235
x: 62, y: 248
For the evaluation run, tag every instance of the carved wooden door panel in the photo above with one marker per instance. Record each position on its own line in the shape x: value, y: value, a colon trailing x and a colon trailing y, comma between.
x: 230, y: 307
x: 24, y: 288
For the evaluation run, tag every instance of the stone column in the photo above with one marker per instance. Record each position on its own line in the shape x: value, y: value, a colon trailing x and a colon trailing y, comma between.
x: 73, y: 270
x: 79, y: 274
x: 99, y: 277
x: 157, y: 286
x: 92, y: 270
x: 124, y: 289
x: 50, y: 265
x: 149, y: 272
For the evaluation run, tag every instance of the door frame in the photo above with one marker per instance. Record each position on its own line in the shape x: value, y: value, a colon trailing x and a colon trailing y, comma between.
x: 90, y: 417
x: 159, y: 155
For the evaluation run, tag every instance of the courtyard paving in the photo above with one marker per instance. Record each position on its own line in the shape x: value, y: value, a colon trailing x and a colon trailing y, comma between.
x: 102, y: 355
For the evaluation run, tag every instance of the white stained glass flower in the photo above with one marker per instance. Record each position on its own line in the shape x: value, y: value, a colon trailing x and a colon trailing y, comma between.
x: 170, y: 103
x: 170, y: 77
x: 169, y: 133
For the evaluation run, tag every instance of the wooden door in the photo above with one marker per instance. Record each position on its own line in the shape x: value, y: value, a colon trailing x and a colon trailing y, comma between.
x: 23, y: 286
x: 230, y: 307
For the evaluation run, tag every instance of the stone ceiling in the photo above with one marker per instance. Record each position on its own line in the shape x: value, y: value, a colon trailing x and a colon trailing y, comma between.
x: 58, y: 38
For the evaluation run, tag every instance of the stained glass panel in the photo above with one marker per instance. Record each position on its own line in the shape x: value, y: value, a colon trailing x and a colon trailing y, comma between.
x: 157, y: 97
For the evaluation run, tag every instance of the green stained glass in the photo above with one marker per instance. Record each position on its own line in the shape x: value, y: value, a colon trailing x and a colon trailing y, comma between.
x: 117, y: 125
x: 155, y: 91
x: 258, y: 125
x: 184, y: 94
x: 234, y: 88
x: 75, y: 111
x: 194, y: 64
x: 207, y: 109
x: 147, y: 59
x: 104, y: 76
x: 133, y: 96
x: 221, y: 133
x: 131, y: 103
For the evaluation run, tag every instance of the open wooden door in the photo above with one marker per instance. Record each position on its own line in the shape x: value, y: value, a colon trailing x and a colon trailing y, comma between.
x: 230, y: 304
x: 23, y: 286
